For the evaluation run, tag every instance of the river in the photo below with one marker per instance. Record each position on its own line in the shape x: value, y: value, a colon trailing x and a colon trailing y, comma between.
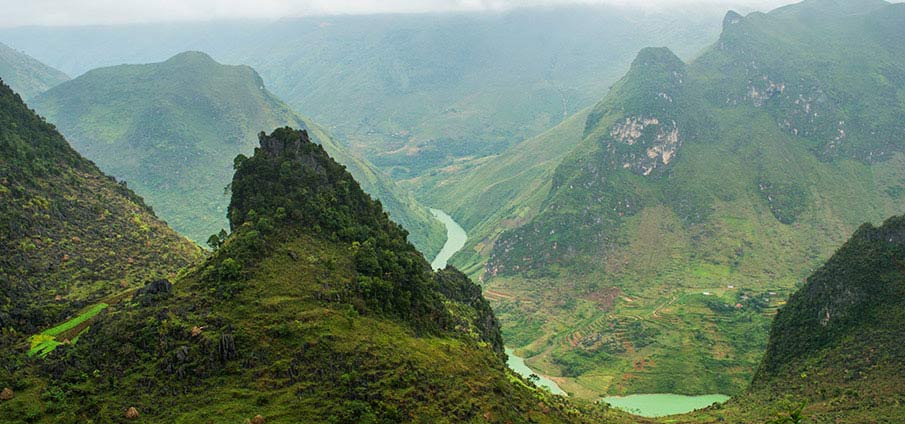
x: 646, y: 405
x: 518, y: 365
x: 455, y: 239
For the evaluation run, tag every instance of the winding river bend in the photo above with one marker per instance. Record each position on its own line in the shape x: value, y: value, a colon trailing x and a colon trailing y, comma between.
x: 455, y: 239
x: 646, y: 405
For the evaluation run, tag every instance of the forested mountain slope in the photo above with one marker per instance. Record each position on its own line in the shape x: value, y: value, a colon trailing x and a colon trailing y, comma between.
x: 69, y: 235
x: 835, y: 348
x: 314, y: 309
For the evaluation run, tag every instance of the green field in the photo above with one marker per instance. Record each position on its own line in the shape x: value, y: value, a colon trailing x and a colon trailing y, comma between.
x: 48, y: 340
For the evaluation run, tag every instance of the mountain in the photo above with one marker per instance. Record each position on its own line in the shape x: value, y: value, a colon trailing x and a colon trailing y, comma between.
x: 835, y: 347
x: 25, y: 75
x: 502, y: 191
x: 314, y: 309
x: 69, y: 235
x: 700, y: 195
x: 172, y: 129
x: 415, y: 93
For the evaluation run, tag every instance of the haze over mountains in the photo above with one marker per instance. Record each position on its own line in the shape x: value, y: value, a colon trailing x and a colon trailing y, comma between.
x: 415, y: 93
x: 715, y: 221
x: 26, y: 75
x: 172, y: 129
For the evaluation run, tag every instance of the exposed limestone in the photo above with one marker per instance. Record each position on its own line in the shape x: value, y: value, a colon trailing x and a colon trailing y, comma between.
x: 770, y: 89
x: 659, y: 148
x: 631, y: 130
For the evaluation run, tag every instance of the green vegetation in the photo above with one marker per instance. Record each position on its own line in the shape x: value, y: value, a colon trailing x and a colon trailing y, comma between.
x: 48, y: 340
x: 172, y: 129
x: 25, y: 75
x: 69, y: 234
x: 835, y: 351
x: 502, y: 191
x: 330, y: 316
x: 695, y: 199
x: 415, y: 93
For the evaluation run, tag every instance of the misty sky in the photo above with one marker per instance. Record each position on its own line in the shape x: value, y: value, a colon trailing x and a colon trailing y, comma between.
x: 83, y: 12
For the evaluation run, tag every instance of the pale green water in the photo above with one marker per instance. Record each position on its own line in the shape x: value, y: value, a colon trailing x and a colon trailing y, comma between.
x: 455, y: 239
x: 517, y: 364
x: 661, y: 404
x: 649, y: 405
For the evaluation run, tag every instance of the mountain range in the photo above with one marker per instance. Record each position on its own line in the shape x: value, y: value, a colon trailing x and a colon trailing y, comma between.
x: 716, y: 225
x: 697, y: 197
x: 172, y: 130
x: 314, y: 306
x: 414, y: 93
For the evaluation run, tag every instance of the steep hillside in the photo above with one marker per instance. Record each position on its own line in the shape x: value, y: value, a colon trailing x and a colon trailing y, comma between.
x: 414, y: 92
x: 69, y: 235
x: 836, y: 346
x: 314, y: 309
x: 502, y: 191
x: 701, y: 194
x: 25, y: 75
x: 172, y: 129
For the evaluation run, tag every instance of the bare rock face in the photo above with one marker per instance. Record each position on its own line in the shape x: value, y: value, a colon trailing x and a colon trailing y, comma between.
x: 275, y: 146
x: 157, y: 287
x: 131, y: 413
x: 153, y: 291
x: 6, y: 394
x: 227, y: 347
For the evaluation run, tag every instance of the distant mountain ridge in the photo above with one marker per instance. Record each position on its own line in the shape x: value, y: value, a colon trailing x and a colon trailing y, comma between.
x: 26, y: 75
x: 172, y: 129
x: 416, y: 93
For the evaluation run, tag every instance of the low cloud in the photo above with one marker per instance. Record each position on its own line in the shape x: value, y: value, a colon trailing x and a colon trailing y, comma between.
x: 85, y: 12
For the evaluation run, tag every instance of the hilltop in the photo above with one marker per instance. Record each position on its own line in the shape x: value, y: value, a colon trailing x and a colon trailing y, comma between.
x: 171, y: 129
